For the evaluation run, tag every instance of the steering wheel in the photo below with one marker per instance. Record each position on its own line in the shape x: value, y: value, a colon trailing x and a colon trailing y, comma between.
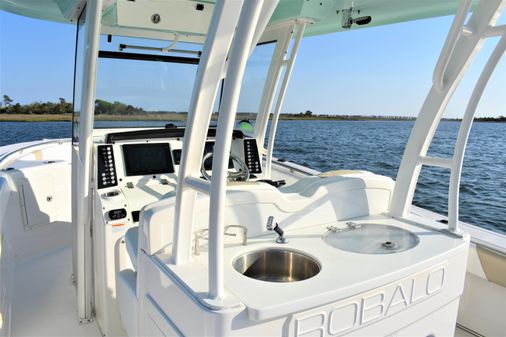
x: 241, y: 175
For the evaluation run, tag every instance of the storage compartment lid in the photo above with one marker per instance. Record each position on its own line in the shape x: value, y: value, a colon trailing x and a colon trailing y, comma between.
x: 368, y: 238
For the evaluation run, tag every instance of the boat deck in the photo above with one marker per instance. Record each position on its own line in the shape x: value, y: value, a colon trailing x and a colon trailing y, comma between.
x: 45, y: 299
x: 462, y: 333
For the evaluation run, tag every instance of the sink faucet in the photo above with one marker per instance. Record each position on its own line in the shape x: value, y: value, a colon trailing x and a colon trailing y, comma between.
x: 273, y: 226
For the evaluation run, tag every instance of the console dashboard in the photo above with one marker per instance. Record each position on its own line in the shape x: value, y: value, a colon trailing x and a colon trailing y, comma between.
x: 134, y: 168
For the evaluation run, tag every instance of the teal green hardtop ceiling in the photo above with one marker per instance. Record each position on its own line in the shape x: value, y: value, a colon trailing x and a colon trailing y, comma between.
x: 326, y: 15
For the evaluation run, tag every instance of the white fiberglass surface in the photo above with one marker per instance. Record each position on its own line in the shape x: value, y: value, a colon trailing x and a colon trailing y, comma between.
x: 44, y: 301
x: 462, y: 333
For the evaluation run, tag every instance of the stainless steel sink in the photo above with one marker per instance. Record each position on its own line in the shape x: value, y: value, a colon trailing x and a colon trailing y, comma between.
x: 276, y: 265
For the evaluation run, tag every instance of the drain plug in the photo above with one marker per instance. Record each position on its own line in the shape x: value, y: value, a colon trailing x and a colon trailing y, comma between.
x: 389, y: 244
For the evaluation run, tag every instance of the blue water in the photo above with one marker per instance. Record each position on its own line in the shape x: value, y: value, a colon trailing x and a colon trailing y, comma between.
x: 375, y: 146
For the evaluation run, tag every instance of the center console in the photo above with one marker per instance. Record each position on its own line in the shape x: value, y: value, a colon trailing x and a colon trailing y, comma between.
x: 135, y: 168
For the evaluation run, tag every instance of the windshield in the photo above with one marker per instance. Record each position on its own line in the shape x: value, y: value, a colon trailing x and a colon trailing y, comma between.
x: 149, y: 83
x: 140, y: 83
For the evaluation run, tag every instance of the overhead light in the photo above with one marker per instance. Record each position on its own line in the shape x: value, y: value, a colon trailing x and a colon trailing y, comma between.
x: 348, y: 20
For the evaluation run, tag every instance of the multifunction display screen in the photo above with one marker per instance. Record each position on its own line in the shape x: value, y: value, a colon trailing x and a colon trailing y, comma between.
x: 145, y: 159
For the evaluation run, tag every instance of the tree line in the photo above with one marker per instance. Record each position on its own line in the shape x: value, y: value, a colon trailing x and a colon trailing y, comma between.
x: 7, y: 106
x: 308, y: 114
x: 116, y: 108
x: 103, y: 107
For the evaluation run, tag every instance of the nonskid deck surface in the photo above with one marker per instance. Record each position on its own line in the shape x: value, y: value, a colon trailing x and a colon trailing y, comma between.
x: 44, y: 299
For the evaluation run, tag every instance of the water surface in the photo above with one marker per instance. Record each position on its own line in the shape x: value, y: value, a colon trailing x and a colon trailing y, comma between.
x: 378, y: 146
x: 375, y: 146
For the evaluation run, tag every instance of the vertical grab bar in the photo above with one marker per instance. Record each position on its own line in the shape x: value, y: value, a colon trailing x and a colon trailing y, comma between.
x: 455, y: 32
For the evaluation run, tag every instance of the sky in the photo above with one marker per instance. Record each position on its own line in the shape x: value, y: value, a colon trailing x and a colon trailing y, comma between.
x: 383, y: 70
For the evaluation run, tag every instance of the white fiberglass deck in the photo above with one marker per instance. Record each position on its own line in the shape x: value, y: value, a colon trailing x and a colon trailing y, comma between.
x: 44, y: 299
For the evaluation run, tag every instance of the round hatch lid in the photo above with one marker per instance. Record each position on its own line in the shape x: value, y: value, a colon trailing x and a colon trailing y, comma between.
x: 369, y: 238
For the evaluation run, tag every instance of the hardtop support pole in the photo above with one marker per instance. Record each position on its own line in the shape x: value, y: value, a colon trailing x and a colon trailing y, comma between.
x: 209, y: 74
x: 239, y: 54
x: 281, y: 97
x: 85, y: 162
x: 271, y: 85
x: 452, y: 65
x: 465, y: 129
x: 216, y: 52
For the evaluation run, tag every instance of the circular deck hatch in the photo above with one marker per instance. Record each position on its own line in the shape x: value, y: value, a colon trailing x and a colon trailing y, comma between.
x: 368, y: 238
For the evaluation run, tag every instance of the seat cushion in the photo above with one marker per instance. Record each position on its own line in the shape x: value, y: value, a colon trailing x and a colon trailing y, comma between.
x: 132, y: 244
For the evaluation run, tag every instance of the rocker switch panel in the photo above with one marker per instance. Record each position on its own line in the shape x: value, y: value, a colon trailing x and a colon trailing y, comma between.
x: 106, y: 175
x: 251, y: 156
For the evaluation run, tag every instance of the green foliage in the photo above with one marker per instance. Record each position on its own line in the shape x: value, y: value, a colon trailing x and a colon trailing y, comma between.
x: 117, y: 108
x: 7, y: 101
x: 37, y: 108
x: 63, y: 107
x: 491, y: 119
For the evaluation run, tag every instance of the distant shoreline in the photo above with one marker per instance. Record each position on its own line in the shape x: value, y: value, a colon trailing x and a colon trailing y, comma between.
x: 68, y: 117
x: 182, y: 117
x: 118, y: 111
